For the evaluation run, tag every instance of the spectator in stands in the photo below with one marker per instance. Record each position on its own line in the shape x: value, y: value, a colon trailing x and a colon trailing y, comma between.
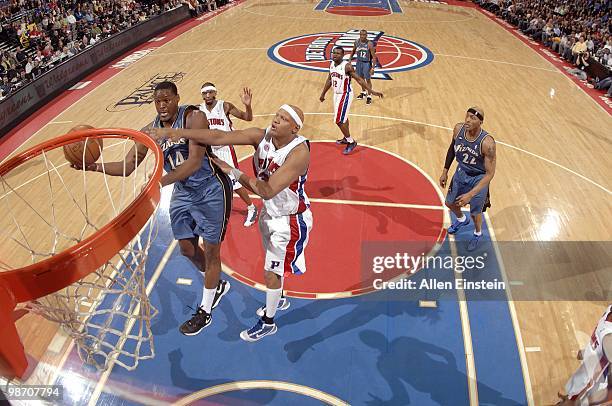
x: 28, y: 67
x: 70, y: 18
x: 194, y: 7
x: 578, y: 50
x: 49, y: 31
x: 567, y: 54
x: 5, y: 86
x: 20, y: 55
x: 22, y: 79
x: 547, y: 33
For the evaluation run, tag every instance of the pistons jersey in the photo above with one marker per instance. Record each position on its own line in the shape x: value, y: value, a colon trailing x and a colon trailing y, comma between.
x: 341, y: 82
x: 267, y: 159
x: 592, y: 375
x: 217, y: 120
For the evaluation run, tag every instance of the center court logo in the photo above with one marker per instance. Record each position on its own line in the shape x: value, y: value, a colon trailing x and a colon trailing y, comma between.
x: 313, y: 52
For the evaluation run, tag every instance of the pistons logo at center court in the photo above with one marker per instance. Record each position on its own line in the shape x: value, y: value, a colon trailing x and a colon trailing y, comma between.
x: 313, y: 52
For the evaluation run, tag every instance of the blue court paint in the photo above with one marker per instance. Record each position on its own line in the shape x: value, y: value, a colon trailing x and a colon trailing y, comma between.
x: 372, y: 349
x: 395, y: 7
x: 498, y: 366
x: 322, y: 5
x: 391, y: 5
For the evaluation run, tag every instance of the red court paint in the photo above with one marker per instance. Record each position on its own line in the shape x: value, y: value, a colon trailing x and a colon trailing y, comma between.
x: 21, y: 133
x: 395, y: 54
x: 333, y: 255
x: 358, y: 11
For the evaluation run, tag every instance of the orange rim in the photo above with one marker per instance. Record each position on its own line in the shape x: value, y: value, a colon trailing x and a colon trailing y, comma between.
x: 65, y: 268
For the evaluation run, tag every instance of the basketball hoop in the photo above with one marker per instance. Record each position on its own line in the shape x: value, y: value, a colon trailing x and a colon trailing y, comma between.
x: 74, y: 248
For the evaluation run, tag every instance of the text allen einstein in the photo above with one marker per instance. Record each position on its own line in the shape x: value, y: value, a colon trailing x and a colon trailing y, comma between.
x: 434, y: 284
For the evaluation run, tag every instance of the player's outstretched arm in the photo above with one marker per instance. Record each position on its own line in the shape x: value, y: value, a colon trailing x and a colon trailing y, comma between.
x: 246, y: 97
x: 294, y: 167
x: 351, y: 72
x: 132, y: 159
x: 249, y: 136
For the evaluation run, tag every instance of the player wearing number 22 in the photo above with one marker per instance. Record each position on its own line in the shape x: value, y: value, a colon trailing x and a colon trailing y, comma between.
x: 474, y: 150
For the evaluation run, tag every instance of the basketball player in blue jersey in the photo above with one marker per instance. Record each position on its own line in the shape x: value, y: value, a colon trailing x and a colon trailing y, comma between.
x: 340, y: 74
x: 366, y: 61
x: 201, y: 198
x: 474, y: 150
x: 281, y: 164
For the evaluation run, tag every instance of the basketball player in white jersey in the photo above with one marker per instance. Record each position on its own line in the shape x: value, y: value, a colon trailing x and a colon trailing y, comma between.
x: 340, y: 74
x: 218, y: 113
x: 281, y: 165
x: 591, y: 384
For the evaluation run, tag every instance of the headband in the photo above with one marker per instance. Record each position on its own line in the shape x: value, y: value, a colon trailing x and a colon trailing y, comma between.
x: 476, y: 113
x: 208, y: 89
x: 293, y: 115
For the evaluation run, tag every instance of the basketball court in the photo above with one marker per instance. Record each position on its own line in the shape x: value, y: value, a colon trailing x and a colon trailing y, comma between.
x: 342, y: 341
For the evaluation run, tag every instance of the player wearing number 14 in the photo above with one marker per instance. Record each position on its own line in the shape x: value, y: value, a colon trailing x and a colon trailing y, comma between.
x: 201, y: 196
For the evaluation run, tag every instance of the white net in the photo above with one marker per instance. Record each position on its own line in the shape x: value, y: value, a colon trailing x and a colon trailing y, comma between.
x: 49, y: 207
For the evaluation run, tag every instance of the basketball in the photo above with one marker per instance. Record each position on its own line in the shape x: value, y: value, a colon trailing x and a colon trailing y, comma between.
x: 86, y: 151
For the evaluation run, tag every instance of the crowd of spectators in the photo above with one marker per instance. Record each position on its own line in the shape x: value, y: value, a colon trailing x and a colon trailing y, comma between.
x: 197, y: 7
x: 36, y: 35
x: 577, y: 30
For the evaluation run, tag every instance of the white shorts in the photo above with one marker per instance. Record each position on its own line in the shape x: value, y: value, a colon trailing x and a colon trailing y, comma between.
x: 284, y: 239
x: 582, y: 386
x: 342, y: 105
x: 227, y: 154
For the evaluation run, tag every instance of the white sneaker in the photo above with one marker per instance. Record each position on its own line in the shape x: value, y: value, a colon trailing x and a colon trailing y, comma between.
x: 283, y: 304
x: 251, y: 216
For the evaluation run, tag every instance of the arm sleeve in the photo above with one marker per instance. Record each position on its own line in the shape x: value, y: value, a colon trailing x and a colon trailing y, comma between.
x: 450, y: 155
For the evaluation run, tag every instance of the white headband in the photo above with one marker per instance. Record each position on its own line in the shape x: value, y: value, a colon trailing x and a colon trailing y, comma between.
x: 208, y: 89
x: 293, y: 115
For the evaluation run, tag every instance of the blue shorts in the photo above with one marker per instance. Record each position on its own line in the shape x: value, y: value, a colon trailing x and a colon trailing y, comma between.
x: 463, y: 183
x: 363, y: 69
x: 203, y: 211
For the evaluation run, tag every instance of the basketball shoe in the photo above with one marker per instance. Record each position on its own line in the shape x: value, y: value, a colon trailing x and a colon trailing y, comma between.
x: 259, y: 331
x: 453, y: 228
x: 199, y: 320
x: 349, y: 148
